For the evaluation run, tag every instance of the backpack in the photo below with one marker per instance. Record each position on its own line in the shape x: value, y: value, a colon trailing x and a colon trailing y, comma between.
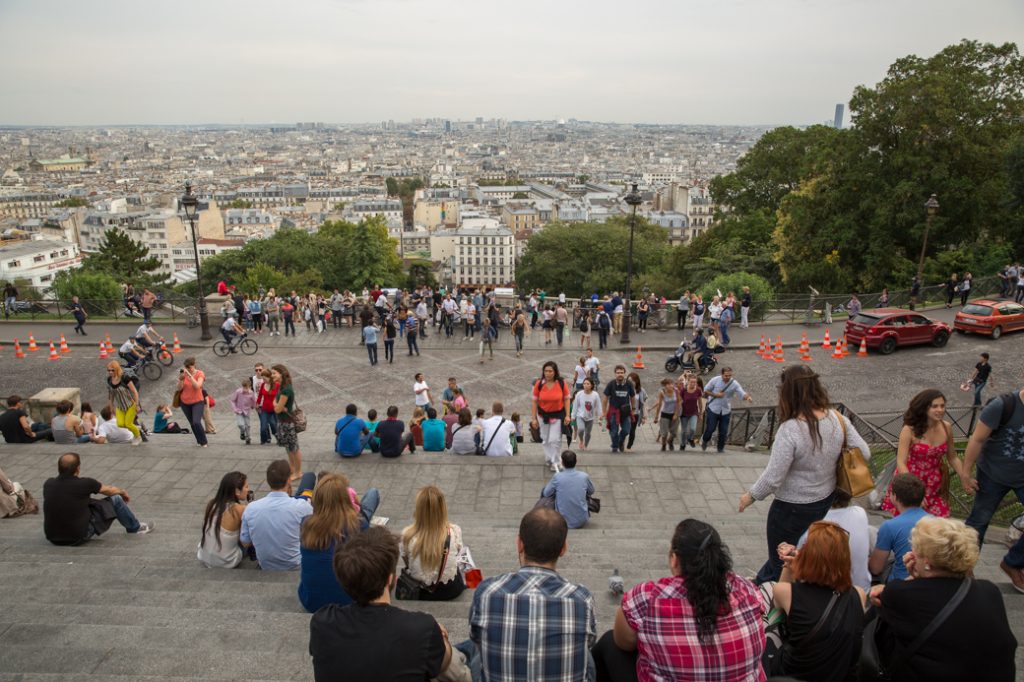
x: 603, y: 321
x: 1008, y: 406
x: 584, y: 325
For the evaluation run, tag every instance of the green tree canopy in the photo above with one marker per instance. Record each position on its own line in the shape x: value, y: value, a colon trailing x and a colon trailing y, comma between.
x: 580, y: 258
x: 99, y: 292
x: 124, y: 259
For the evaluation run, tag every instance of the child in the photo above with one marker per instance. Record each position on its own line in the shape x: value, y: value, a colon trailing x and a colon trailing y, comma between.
x: 517, y: 422
x: 372, y: 441
x: 585, y: 408
x: 88, y: 419
x: 161, y: 420
x: 415, y: 425
x: 242, y: 402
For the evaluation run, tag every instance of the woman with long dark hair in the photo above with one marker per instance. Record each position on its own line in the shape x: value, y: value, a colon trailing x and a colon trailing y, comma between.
x: 550, y: 410
x: 193, y: 402
x: 284, y: 406
x: 801, y: 472
x: 222, y: 520
x: 817, y: 586
x: 926, y: 439
x: 701, y: 618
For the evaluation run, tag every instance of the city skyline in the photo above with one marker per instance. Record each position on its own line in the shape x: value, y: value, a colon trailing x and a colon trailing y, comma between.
x: 731, y: 63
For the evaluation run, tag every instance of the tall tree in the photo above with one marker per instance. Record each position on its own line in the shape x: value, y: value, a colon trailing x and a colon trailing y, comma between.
x: 125, y: 259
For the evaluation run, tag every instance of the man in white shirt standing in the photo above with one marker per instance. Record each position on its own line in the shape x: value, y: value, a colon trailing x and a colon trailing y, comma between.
x: 497, y: 433
x: 422, y: 391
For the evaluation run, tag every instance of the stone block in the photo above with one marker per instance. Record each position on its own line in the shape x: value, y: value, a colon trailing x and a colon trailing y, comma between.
x: 42, y: 407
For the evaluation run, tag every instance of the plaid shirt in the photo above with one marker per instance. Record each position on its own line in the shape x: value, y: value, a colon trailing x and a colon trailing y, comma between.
x: 667, y: 634
x: 533, y: 625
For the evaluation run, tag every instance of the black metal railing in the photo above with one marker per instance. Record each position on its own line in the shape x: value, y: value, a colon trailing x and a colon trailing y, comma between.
x: 177, y: 310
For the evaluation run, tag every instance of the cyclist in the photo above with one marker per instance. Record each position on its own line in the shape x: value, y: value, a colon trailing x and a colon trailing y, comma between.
x: 147, y: 337
x: 131, y: 352
x: 231, y: 329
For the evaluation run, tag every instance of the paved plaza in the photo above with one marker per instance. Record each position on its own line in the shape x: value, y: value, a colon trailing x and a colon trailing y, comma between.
x: 141, y: 607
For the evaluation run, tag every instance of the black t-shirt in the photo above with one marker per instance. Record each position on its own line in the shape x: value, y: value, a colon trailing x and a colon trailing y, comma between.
x: 375, y: 642
x: 66, y: 508
x: 975, y: 642
x: 984, y: 369
x: 619, y: 395
x: 10, y: 426
x: 390, y: 433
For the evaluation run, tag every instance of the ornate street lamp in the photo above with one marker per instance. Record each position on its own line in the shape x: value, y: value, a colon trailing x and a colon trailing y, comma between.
x: 931, y: 207
x: 633, y: 199
x: 190, y: 204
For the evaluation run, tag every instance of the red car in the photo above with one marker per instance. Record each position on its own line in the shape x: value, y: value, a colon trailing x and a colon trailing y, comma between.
x: 985, y: 316
x: 887, y: 328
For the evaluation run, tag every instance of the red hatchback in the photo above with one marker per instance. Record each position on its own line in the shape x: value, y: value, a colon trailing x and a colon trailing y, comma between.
x: 990, y: 317
x: 885, y: 329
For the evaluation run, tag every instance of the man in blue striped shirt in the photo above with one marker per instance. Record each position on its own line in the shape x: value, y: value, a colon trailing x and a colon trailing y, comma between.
x: 533, y: 624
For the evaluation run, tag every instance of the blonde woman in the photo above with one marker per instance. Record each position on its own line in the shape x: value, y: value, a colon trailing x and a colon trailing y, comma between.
x: 431, y: 545
x: 123, y: 399
x: 333, y: 521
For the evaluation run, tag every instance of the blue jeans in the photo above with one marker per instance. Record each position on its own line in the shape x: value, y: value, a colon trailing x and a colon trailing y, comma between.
x: 268, y: 426
x: 978, y: 388
x: 786, y: 522
x: 713, y: 420
x: 367, y: 506
x: 125, y: 517
x: 618, y: 429
x: 413, y: 345
x: 723, y: 327
x: 371, y: 351
x: 986, y: 501
x: 473, y: 661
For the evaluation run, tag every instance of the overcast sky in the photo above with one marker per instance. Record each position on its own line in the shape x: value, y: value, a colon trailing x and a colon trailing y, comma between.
x: 337, y: 61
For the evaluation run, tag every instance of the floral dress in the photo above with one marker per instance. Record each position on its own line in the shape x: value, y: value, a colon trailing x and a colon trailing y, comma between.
x: 927, y: 463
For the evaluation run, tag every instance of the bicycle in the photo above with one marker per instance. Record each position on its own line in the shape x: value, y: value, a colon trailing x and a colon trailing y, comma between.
x: 148, y: 367
x: 241, y: 342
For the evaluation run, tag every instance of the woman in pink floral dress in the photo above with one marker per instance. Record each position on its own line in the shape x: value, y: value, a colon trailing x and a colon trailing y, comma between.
x: 925, y: 441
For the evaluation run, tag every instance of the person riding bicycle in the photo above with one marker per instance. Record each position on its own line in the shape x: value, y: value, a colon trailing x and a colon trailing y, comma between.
x: 131, y: 352
x: 230, y: 329
x: 147, y: 337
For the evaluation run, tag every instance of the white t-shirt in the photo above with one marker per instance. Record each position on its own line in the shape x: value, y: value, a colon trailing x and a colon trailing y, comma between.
x: 114, y: 433
x: 593, y: 366
x: 382, y: 301
x: 561, y: 298
x: 581, y: 373
x: 855, y: 520
x: 141, y: 331
x: 585, y: 406
x: 229, y: 325
x: 421, y: 398
x: 127, y: 346
x: 501, y: 446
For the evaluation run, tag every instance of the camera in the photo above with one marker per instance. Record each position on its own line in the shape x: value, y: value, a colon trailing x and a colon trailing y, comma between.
x: 250, y: 496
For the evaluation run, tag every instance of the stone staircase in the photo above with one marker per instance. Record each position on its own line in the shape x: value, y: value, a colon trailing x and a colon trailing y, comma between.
x: 140, y: 607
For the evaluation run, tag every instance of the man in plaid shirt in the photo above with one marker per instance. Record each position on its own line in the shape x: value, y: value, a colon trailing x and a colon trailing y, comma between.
x: 534, y: 625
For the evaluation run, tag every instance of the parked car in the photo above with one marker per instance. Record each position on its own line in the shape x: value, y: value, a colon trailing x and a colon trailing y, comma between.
x: 885, y: 329
x: 986, y: 316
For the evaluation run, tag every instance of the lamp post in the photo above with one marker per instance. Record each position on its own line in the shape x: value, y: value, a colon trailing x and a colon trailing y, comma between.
x: 190, y: 205
x: 633, y: 199
x: 931, y: 207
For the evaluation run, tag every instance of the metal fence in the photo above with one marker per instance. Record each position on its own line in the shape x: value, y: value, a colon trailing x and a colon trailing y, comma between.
x: 177, y: 310
x: 755, y: 427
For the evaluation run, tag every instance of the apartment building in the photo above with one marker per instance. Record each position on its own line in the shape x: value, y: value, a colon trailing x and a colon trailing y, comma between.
x: 437, y: 213
x: 183, y: 256
x: 37, y: 260
x: 29, y: 204
x: 477, y: 255
x: 520, y: 215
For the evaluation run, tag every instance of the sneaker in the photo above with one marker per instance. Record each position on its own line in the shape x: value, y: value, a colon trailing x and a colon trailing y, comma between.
x: 703, y: 445
x: 136, y: 441
x: 1016, y: 576
x: 248, y: 442
x: 144, y: 528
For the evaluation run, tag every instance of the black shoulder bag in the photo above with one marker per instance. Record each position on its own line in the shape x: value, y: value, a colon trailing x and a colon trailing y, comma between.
x: 407, y: 587
x: 871, y: 665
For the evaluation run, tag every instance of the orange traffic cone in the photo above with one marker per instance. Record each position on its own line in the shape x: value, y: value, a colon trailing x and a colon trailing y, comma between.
x: 53, y: 352
x: 863, y: 352
x: 760, y: 347
x: 843, y: 348
x: 32, y: 347
x: 827, y: 343
x: 837, y: 351
x: 64, y: 345
x: 805, y: 349
x: 639, y: 363
x: 110, y: 346
x: 177, y: 344
x: 779, y: 357
x: 17, y: 349
x: 103, y: 351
